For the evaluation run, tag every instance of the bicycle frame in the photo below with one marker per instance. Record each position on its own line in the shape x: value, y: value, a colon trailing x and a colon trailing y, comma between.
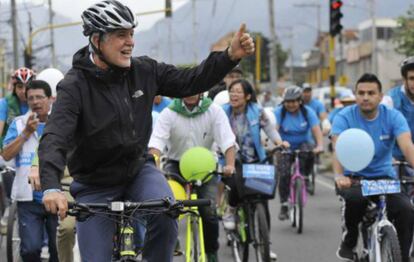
x: 372, y: 245
x: 297, y: 175
x: 194, y: 217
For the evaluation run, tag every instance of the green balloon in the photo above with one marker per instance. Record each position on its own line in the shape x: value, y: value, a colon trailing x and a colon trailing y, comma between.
x: 196, y: 163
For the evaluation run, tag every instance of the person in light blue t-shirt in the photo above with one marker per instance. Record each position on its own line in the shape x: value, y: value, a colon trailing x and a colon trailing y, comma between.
x: 386, y: 126
x: 402, y: 99
x: 296, y: 125
x: 317, y: 107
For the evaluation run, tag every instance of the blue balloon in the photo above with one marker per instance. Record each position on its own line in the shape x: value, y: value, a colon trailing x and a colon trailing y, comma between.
x: 354, y: 149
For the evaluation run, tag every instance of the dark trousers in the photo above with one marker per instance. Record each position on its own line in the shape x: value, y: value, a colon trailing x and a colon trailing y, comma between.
x: 208, y: 214
x: 284, y: 169
x: 96, y: 234
x: 399, y: 209
x: 33, y: 220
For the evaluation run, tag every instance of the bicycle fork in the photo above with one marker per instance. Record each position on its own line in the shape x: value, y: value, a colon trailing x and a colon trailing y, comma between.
x: 191, y: 218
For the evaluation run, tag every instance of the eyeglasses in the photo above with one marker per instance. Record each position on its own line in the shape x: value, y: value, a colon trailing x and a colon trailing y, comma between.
x: 34, y: 98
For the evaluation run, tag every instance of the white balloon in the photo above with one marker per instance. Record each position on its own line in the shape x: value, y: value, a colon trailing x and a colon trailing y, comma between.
x: 52, y: 76
x: 354, y: 149
x: 222, y: 98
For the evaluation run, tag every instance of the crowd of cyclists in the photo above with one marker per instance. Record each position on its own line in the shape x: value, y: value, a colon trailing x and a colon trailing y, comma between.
x: 102, y: 129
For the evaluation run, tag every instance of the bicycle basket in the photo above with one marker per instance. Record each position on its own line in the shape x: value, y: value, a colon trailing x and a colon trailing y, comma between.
x: 196, y: 163
x: 259, y: 179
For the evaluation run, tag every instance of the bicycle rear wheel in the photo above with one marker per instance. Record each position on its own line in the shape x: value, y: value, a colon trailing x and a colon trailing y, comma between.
x: 298, y: 206
x: 390, y: 247
x: 13, y: 239
x: 261, y: 234
x: 312, y: 179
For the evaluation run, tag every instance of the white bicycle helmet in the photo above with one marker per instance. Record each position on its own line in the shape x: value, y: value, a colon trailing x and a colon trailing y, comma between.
x: 107, y: 16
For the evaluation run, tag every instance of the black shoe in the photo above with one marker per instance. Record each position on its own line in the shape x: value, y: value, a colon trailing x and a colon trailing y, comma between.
x: 345, y: 253
x: 283, y: 215
x: 308, y: 184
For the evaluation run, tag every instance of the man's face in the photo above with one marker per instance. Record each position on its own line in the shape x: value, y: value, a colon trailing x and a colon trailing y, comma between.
x: 307, y: 95
x: 231, y: 77
x: 191, y: 100
x: 20, y: 90
x: 368, y: 97
x: 117, y: 47
x: 409, y: 83
x: 38, y: 102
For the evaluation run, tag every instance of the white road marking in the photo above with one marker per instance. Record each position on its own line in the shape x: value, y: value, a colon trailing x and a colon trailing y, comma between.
x: 325, y: 183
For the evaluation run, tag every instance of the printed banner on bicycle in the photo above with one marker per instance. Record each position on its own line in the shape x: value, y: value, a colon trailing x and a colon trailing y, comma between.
x: 380, y: 187
x: 260, y: 178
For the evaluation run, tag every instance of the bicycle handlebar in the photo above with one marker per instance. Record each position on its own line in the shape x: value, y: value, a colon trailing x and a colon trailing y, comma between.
x: 120, y: 206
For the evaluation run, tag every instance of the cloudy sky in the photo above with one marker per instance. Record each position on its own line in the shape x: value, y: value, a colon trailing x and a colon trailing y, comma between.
x: 74, y: 8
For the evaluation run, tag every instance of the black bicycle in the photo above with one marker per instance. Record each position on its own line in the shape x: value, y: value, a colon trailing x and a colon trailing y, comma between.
x: 124, y: 213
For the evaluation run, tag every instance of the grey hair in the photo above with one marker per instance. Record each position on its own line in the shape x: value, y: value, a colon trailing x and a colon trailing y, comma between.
x: 104, y: 37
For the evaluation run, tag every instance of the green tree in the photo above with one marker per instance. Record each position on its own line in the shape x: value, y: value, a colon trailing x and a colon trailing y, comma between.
x: 404, y: 33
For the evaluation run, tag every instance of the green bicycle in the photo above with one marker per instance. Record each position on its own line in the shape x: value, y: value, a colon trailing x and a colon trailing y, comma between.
x: 184, y: 183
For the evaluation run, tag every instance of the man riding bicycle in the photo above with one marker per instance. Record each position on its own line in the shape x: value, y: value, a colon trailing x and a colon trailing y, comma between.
x: 317, y: 106
x: 385, y: 126
x: 402, y: 99
x: 296, y: 124
x: 101, y: 120
x: 190, y: 122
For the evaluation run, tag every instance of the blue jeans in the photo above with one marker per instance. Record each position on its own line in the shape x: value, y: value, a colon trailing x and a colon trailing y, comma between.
x: 95, y: 235
x: 33, y: 220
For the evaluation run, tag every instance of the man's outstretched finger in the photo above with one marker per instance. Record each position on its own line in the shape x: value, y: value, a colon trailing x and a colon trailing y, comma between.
x: 242, y: 29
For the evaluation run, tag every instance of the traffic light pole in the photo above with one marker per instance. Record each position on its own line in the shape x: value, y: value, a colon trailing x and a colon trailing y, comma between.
x: 332, y: 69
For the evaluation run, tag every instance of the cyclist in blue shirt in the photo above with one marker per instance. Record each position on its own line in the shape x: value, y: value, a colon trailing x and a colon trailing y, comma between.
x: 296, y: 124
x: 402, y: 99
x: 385, y: 126
x: 317, y: 106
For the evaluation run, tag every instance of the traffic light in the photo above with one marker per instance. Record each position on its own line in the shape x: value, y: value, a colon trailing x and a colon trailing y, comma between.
x: 335, y: 26
x: 28, y: 59
x: 168, y: 8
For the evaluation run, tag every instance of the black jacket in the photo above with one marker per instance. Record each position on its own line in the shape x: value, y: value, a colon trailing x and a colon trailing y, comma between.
x: 102, y: 120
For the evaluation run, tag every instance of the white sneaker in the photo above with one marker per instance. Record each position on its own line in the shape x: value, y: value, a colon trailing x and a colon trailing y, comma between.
x: 273, y: 255
x: 229, y: 218
x: 3, y: 222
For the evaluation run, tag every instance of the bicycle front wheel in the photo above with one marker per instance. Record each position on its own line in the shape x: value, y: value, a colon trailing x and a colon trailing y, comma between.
x: 390, y: 247
x: 195, y: 244
x: 239, y: 249
x: 261, y: 234
x: 13, y: 239
x: 298, y: 206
